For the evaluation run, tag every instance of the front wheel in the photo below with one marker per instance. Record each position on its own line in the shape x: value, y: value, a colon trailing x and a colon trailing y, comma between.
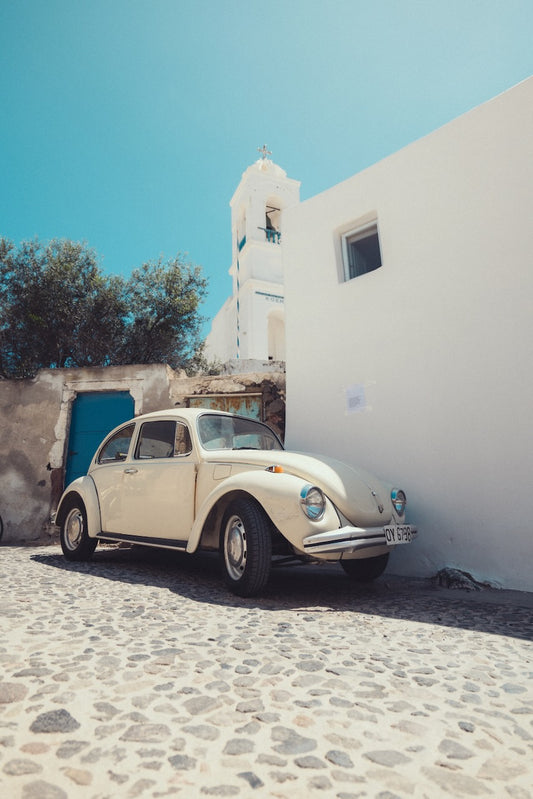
x: 246, y: 547
x: 366, y: 569
x: 75, y: 541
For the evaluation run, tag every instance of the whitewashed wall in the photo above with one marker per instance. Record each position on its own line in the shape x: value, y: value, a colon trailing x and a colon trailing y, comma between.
x: 437, y: 343
x: 221, y: 343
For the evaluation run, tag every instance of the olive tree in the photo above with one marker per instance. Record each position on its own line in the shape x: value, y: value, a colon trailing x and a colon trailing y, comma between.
x: 163, y: 323
x: 58, y: 309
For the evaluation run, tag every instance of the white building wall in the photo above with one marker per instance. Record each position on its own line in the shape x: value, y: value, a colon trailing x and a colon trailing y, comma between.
x: 257, y: 300
x: 437, y: 344
x: 221, y: 344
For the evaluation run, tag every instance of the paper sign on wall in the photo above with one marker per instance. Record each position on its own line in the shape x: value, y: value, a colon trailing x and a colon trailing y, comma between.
x: 355, y: 398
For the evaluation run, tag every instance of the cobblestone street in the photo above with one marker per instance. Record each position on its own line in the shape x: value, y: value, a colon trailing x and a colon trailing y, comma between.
x: 139, y: 675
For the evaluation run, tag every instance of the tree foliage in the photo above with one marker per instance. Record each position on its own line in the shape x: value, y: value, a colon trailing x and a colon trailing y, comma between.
x: 58, y: 309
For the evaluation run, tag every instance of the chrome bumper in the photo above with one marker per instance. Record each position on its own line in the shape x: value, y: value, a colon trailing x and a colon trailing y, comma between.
x: 350, y: 539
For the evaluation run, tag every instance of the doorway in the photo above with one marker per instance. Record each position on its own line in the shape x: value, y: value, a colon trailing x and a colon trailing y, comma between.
x: 94, y: 414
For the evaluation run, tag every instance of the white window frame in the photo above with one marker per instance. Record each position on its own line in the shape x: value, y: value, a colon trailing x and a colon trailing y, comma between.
x: 353, y: 235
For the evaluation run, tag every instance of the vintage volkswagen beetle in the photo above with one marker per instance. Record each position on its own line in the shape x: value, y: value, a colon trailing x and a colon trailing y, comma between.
x: 194, y: 479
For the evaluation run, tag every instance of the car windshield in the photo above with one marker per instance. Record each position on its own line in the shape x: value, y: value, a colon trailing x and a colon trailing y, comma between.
x: 235, y: 432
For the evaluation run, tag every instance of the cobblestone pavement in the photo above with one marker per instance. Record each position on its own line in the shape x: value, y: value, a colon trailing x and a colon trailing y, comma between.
x: 138, y: 675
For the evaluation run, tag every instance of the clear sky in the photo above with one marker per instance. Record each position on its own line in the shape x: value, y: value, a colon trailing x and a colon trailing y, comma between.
x: 127, y: 124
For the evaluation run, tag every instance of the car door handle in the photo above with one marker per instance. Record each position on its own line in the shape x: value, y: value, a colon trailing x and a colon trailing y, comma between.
x: 130, y: 471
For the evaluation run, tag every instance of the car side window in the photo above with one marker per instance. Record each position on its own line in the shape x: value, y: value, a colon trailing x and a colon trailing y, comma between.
x: 116, y: 448
x: 183, y: 440
x: 156, y: 440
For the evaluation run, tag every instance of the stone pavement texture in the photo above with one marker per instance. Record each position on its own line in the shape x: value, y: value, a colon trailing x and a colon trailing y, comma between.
x: 139, y: 675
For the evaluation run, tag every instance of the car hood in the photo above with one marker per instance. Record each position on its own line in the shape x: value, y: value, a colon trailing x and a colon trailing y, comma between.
x: 357, y: 494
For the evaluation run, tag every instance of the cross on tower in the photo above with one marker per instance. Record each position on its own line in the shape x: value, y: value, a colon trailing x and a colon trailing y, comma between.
x: 264, y: 151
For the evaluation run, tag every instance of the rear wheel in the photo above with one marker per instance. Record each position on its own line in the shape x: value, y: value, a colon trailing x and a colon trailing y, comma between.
x: 246, y: 547
x: 75, y: 541
x: 367, y: 569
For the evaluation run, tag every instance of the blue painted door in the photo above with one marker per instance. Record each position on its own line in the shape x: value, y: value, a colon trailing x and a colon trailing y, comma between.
x: 94, y: 414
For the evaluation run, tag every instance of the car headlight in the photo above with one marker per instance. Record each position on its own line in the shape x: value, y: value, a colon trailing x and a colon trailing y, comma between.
x: 399, y: 500
x: 313, y: 502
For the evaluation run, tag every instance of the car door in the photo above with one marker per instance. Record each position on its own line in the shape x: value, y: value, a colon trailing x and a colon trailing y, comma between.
x: 152, y: 497
x: 108, y: 474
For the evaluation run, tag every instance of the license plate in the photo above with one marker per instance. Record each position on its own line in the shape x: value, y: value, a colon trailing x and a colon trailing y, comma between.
x: 398, y: 534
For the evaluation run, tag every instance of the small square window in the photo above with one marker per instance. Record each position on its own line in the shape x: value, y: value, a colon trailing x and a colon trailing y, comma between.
x: 361, y: 251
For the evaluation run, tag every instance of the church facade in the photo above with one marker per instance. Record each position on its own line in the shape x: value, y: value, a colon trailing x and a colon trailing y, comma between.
x: 250, y: 325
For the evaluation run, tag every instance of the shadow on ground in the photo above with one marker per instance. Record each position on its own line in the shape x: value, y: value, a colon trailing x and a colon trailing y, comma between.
x: 322, y: 588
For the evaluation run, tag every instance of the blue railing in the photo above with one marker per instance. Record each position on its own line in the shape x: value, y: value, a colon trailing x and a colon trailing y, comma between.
x: 241, y: 243
x: 271, y: 234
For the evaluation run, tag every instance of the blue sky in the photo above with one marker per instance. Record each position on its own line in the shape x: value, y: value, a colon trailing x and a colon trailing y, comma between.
x: 128, y: 123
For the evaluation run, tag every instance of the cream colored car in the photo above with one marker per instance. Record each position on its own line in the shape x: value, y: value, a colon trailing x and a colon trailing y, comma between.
x: 196, y: 479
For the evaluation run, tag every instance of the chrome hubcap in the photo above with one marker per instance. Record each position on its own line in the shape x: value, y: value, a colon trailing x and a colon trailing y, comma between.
x: 235, y: 547
x: 73, y: 528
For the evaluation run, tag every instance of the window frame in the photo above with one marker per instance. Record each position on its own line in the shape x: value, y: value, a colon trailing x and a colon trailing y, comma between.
x: 101, y: 460
x: 230, y: 427
x: 352, y: 235
x: 139, y: 456
x: 180, y: 424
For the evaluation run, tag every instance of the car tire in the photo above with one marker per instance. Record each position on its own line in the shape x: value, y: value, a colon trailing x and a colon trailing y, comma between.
x: 367, y: 569
x: 75, y: 541
x: 246, y: 547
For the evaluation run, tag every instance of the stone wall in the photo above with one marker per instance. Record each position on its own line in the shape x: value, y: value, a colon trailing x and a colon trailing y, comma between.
x: 35, y: 422
x: 269, y: 386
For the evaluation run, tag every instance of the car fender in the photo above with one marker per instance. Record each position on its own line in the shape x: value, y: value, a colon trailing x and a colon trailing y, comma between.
x: 86, y: 489
x: 278, y: 495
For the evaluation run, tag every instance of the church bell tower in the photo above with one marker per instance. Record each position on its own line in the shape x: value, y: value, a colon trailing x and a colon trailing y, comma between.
x: 251, y: 324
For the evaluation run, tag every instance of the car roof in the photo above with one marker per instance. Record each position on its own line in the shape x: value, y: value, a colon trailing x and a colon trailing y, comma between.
x: 184, y: 413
